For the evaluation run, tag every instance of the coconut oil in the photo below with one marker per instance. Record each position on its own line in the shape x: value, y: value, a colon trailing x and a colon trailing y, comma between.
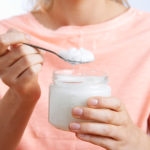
x: 71, y: 89
x: 77, y: 56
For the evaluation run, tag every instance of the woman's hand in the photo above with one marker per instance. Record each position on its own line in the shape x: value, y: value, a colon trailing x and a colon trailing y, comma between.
x: 19, y: 65
x: 19, y: 68
x: 108, y: 125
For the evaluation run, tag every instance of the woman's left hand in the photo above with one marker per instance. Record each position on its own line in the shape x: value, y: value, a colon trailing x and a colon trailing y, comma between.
x: 107, y: 124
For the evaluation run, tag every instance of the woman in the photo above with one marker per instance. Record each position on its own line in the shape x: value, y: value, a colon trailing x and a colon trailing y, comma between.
x: 119, y: 38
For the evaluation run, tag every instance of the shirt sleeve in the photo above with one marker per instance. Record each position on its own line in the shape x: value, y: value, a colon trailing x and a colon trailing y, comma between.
x: 3, y: 28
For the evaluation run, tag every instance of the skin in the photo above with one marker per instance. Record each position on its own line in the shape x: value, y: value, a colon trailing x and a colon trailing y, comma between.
x: 112, y: 128
x: 19, y: 68
x: 78, y: 12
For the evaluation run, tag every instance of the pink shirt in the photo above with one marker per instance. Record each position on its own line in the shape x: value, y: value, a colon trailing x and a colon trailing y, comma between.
x: 122, y: 49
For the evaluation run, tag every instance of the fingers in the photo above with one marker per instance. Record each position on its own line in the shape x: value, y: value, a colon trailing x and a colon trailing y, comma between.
x: 97, y: 129
x: 22, y: 64
x: 14, y: 71
x: 104, y: 102
x: 31, y: 72
x: 27, y: 82
x: 17, y: 52
x: 103, y: 110
x: 98, y: 140
x: 98, y: 115
x: 10, y: 38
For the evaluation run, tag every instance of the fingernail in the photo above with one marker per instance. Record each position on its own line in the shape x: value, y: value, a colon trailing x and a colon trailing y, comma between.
x: 74, y: 126
x: 93, y: 102
x: 77, y: 111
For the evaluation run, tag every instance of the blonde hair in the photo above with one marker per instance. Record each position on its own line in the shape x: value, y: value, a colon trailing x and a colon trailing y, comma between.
x: 46, y: 4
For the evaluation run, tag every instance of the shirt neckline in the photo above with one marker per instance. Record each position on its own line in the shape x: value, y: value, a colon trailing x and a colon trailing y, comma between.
x: 72, y: 29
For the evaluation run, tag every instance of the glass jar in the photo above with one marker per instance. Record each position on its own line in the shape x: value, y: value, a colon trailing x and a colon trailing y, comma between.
x: 70, y: 89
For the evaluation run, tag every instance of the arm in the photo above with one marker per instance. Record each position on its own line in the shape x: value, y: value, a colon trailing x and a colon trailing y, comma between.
x: 14, y: 115
x: 19, y: 68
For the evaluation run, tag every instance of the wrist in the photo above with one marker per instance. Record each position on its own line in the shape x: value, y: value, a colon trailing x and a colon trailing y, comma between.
x: 148, y: 141
x: 16, y: 98
x: 145, y: 140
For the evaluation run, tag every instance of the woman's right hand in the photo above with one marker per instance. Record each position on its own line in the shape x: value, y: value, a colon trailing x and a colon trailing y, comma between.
x: 20, y: 65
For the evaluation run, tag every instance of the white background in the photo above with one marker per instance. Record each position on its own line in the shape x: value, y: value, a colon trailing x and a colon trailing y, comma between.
x: 10, y: 8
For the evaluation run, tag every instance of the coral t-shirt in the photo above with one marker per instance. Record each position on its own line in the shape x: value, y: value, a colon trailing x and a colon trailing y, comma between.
x: 122, y: 49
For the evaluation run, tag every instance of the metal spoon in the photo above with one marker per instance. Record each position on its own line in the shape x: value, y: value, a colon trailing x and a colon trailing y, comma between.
x: 67, y: 60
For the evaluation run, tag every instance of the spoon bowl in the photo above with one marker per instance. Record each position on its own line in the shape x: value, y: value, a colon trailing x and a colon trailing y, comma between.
x: 73, y: 62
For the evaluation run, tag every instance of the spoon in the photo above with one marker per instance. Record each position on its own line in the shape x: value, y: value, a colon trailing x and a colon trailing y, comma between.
x: 67, y: 60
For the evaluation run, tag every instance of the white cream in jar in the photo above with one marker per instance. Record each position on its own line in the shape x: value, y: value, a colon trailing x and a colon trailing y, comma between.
x: 70, y: 89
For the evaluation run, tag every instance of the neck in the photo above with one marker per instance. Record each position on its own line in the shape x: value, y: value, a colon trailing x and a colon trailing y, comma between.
x: 83, y: 12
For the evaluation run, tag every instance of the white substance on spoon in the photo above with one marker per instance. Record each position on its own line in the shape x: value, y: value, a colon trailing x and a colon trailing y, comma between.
x: 77, y: 56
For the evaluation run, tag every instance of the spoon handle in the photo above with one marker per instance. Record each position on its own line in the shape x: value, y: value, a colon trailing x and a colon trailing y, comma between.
x: 34, y: 46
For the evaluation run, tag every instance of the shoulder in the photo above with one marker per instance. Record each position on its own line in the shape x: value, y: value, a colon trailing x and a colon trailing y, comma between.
x: 141, y: 20
x: 137, y: 26
x: 16, y: 22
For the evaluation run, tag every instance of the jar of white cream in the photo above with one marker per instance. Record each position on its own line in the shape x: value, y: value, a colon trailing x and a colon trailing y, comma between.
x: 70, y: 89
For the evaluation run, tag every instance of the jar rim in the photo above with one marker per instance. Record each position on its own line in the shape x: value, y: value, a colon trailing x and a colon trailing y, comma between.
x: 80, y: 72
x: 70, y: 77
